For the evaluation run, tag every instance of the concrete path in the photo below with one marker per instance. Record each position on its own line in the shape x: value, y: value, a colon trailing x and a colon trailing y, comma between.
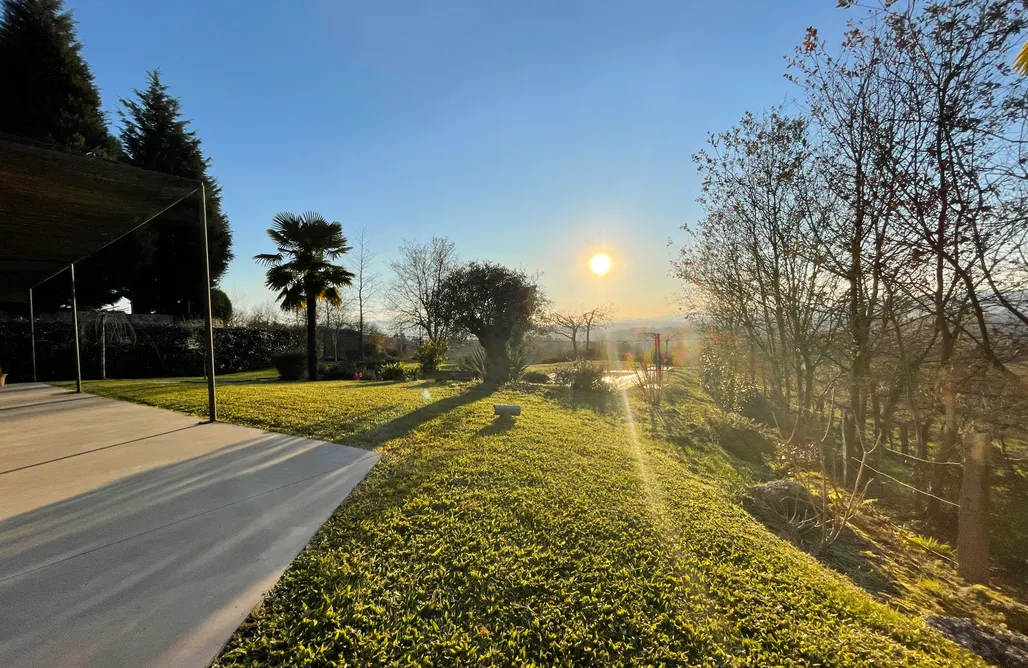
x: 134, y: 536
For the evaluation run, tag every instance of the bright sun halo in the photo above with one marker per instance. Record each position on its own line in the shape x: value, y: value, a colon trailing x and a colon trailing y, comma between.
x: 600, y: 263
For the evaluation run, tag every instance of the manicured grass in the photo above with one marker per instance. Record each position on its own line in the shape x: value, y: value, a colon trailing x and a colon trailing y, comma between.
x: 568, y: 537
x: 365, y: 412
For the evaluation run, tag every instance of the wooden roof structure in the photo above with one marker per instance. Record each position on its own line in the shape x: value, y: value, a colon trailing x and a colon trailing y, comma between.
x: 57, y: 207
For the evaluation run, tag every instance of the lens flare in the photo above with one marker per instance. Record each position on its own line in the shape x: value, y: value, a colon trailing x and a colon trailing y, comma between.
x: 600, y: 264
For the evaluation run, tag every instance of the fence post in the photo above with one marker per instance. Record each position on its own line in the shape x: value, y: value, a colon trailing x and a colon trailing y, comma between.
x: 973, y: 517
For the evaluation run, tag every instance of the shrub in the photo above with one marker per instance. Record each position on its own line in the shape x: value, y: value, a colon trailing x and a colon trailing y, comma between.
x: 474, y: 362
x: 758, y: 408
x: 392, y: 371
x: 535, y: 377
x: 520, y: 357
x: 740, y: 436
x: 291, y: 365
x: 337, y: 371
x: 721, y: 359
x: 584, y: 376
x: 411, y: 373
x: 431, y: 354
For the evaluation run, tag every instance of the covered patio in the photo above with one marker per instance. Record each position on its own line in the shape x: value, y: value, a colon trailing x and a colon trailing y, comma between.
x: 131, y: 535
x: 57, y: 208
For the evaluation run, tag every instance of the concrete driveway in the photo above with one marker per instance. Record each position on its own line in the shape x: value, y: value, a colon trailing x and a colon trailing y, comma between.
x: 134, y: 536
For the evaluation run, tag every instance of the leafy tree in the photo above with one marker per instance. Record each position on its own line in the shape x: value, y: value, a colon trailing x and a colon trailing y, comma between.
x: 168, y: 276
x: 302, y: 269
x: 221, y: 305
x: 48, y: 87
x: 497, y: 305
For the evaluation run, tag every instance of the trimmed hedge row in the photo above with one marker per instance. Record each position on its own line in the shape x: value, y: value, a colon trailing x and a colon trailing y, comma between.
x: 158, y: 350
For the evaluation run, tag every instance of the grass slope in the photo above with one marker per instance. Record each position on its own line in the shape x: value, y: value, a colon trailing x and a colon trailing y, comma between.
x: 567, y: 538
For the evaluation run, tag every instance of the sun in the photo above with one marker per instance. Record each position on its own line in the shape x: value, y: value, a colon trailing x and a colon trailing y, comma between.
x: 600, y: 263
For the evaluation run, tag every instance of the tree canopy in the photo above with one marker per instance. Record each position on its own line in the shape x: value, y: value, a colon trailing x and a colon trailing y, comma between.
x: 168, y: 276
x: 48, y: 88
x: 497, y: 305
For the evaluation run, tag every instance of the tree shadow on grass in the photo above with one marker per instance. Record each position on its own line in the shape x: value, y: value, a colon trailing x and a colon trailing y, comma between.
x: 598, y: 402
x: 404, y: 424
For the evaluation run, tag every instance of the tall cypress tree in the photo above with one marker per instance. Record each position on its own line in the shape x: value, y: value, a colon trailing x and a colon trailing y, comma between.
x: 48, y: 89
x: 169, y: 277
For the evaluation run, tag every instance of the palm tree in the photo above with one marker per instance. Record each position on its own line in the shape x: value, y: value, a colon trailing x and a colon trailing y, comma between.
x: 302, y: 269
x: 1021, y: 63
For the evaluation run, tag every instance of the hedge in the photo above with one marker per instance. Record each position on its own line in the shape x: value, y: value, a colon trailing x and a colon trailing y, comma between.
x: 158, y: 350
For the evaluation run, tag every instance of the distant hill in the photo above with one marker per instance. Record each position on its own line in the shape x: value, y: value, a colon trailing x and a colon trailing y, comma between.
x: 628, y: 329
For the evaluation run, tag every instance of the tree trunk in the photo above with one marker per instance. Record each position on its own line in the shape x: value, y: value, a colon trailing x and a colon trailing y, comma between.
x: 949, y: 437
x: 921, y: 431
x: 103, y: 347
x: 973, y: 524
x: 848, y: 437
x: 497, y: 361
x: 312, y: 337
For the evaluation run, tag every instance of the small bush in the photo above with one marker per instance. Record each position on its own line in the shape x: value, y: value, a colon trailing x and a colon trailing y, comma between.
x: 392, y: 371
x: 520, y: 355
x: 411, y: 373
x: 291, y: 365
x: 535, y: 377
x: 474, y: 362
x: 584, y: 377
x: 337, y: 371
x: 758, y: 408
x: 431, y: 354
x: 740, y: 436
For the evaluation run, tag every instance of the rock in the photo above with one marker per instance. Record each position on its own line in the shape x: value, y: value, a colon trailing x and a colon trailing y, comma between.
x: 786, y: 498
x: 998, y: 647
x: 778, y: 492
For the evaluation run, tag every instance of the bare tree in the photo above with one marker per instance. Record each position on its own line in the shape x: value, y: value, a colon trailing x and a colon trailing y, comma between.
x: 367, y: 283
x: 566, y: 324
x: 596, y: 318
x: 336, y: 317
x: 876, y: 244
x: 415, y: 291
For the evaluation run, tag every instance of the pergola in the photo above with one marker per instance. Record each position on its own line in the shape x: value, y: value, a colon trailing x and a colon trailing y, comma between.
x: 57, y: 208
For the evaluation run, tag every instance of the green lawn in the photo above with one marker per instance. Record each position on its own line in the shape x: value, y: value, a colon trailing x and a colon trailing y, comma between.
x: 569, y: 537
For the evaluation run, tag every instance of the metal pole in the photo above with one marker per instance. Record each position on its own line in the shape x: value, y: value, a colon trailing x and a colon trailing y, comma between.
x: 212, y: 405
x: 75, y: 326
x: 32, y: 335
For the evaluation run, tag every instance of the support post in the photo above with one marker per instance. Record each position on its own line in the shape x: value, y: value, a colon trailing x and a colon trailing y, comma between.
x: 212, y: 405
x: 973, y: 516
x: 75, y: 326
x: 32, y: 335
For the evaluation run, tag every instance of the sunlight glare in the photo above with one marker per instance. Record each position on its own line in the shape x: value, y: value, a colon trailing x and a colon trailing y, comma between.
x: 600, y: 263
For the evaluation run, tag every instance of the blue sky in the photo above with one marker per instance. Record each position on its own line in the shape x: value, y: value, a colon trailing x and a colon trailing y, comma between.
x: 532, y: 133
